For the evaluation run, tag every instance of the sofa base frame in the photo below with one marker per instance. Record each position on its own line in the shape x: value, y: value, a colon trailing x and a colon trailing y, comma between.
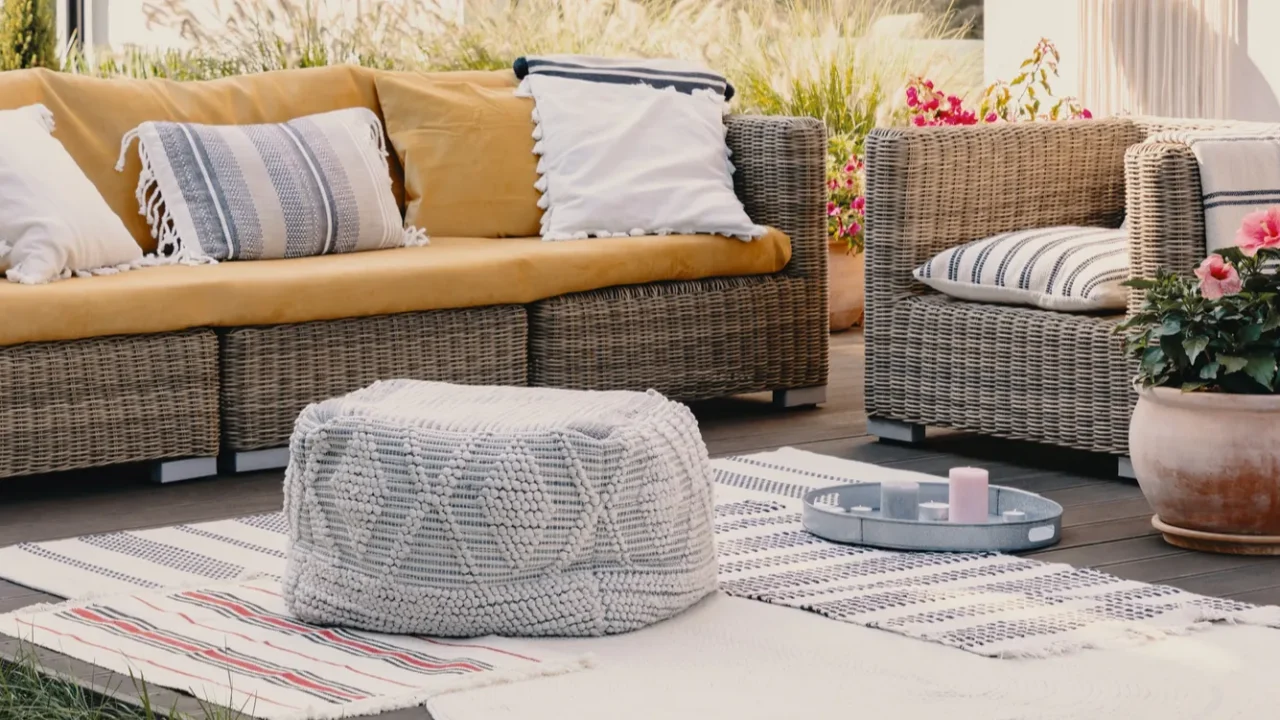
x: 170, y: 471
x: 896, y: 430
x: 800, y: 397
x: 231, y: 462
x: 1124, y: 468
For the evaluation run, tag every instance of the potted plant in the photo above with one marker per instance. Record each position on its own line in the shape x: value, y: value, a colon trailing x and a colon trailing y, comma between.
x: 1205, y: 436
x: 846, y: 209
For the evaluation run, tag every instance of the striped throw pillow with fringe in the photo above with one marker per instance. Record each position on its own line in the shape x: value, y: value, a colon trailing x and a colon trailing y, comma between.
x: 315, y: 185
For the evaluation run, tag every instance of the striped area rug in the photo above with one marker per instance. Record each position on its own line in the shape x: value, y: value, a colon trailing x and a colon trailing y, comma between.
x: 179, y: 597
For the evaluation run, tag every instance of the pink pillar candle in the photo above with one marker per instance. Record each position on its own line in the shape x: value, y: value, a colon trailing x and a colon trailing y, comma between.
x: 967, y: 495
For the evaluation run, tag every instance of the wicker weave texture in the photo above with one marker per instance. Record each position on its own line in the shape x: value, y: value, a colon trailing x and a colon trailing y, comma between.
x: 1166, y: 211
x: 269, y: 374
x: 1018, y: 373
x: 710, y: 338
x: 688, y: 340
x: 1005, y: 371
x: 88, y: 403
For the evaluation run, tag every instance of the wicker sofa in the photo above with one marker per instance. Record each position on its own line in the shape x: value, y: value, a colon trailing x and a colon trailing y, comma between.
x: 1006, y: 371
x: 194, y: 400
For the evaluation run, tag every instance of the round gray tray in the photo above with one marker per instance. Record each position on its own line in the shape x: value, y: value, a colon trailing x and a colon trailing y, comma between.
x: 825, y: 516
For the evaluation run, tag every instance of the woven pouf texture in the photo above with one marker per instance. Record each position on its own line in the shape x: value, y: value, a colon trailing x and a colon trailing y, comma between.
x: 457, y: 511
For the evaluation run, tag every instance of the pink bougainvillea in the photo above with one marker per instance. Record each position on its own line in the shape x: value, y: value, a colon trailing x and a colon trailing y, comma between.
x: 1028, y: 97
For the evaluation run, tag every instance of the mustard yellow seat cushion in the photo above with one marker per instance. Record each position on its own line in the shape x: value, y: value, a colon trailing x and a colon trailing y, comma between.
x: 449, y: 273
x: 466, y: 145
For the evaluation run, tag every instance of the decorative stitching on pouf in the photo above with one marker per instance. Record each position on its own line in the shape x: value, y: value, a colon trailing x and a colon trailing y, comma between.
x: 449, y: 510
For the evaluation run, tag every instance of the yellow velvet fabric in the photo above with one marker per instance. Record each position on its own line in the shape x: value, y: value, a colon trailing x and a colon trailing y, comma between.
x: 466, y: 147
x: 91, y: 115
x: 449, y: 273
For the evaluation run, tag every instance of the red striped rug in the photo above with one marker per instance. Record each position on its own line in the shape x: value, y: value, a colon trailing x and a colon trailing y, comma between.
x: 234, y: 644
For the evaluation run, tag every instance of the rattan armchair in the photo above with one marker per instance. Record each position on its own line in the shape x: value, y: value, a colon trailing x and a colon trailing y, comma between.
x: 1006, y: 371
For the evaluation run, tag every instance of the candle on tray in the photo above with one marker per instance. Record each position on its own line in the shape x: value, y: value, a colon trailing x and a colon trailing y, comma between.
x: 967, y: 495
x: 860, y: 510
x: 934, y: 511
x: 899, y: 499
x: 1013, y: 515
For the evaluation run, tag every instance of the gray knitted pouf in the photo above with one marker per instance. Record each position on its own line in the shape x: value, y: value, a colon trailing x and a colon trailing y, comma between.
x: 449, y: 510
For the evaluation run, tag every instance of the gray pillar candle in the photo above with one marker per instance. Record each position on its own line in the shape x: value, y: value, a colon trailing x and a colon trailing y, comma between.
x: 899, y: 500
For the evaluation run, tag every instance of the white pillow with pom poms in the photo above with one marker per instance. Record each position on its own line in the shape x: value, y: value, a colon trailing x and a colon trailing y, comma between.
x: 631, y: 147
x: 53, y: 221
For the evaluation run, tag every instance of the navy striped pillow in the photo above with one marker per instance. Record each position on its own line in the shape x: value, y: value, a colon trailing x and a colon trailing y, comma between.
x: 1065, y: 268
x: 658, y: 73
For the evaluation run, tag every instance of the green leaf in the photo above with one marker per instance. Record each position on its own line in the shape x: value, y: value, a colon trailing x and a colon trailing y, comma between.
x: 1210, y: 371
x: 1250, y: 333
x: 1231, y: 363
x: 1019, y: 78
x: 1263, y: 369
x: 1171, y: 326
x: 1139, y: 283
x: 1271, y: 323
x: 1192, y: 386
x: 1194, y: 345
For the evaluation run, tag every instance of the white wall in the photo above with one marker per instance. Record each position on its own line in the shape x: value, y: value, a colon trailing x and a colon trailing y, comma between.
x: 1012, y: 28
x: 1255, y: 71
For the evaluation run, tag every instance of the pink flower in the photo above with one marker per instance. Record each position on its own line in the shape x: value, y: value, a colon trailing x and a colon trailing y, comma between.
x: 854, y: 228
x: 850, y: 182
x: 832, y: 209
x: 1259, y: 231
x: 1086, y: 114
x: 954, y: 101
x: 912, y: 93
x: 850, y: 167
x: 859, y: 203
x: 991, y: 117
x: 1217, y: 278
x: 833, y: 184
x: 918, y: 121
x: 932, y: 105
x: 928, y: 84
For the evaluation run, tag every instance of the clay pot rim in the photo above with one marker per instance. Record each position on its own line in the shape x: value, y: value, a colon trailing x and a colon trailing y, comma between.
x: 1231, y: 402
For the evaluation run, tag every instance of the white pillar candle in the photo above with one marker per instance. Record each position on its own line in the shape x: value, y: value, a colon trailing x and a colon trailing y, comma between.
x: 967, y: 495
x: 1013, y: 515
x: 899, y: 499
x: 934, y: 511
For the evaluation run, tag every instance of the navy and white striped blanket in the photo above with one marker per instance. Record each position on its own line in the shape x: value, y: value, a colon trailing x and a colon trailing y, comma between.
x: 1239, y: 174
x: 659, y: 73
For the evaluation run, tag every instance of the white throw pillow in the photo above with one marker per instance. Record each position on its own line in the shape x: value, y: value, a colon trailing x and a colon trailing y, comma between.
x: 53, y: 221
x: 1068, y: 268
x: 622, y: 159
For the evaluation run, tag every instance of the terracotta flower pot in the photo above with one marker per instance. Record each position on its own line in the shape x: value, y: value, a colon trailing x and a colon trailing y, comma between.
x: 847, y: 287
x: 1209, y: 464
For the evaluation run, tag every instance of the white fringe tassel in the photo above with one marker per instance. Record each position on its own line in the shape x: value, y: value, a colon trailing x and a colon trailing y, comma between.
x: 170, y: 249
x: 415, y: 237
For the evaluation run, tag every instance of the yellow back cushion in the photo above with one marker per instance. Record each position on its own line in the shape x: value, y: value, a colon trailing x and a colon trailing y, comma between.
x: 92, y: 115
x: 465, y: 142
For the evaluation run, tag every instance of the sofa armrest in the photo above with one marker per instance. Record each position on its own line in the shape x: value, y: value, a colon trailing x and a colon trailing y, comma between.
x: 929, y: 189
x: 1165, y: 211
x: 781, y: 167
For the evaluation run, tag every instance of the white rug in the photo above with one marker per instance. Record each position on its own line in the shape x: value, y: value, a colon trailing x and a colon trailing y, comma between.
x: 987, y: 604
x: 734, y: 659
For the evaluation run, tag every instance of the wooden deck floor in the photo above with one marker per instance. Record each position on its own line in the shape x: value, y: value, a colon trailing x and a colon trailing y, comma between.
x: 1106, y: 524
